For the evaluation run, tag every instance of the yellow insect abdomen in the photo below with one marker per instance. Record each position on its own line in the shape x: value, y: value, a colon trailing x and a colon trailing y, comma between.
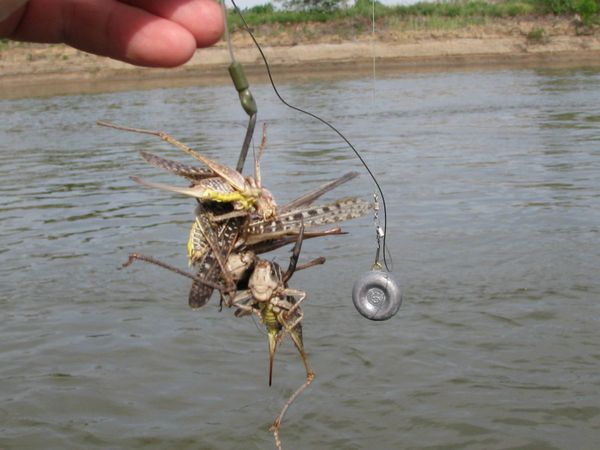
x: 269, y: 318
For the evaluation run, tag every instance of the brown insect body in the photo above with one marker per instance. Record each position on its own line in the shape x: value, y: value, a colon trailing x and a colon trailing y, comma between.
x: 237, y: 219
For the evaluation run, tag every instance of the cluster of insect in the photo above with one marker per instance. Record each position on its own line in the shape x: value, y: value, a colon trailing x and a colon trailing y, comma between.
x: 237, y: 219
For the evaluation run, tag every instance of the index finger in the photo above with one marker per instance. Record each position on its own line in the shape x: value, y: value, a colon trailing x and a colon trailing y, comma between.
x: 147, y: 35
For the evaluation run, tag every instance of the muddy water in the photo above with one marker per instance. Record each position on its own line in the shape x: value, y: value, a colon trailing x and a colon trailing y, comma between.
x: 493, y: 187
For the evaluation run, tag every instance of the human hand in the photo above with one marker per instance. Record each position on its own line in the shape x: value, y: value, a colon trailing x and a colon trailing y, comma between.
x: 154, y: 33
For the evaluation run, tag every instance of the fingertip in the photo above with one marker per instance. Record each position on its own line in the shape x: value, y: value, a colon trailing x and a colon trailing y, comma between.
x: 9, y: 21
x: 215, y: 24
x: 154, y: 33
x: 160, y: 44
x: 203, y: 19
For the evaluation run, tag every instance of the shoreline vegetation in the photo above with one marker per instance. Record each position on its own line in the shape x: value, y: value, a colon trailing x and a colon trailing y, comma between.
x: 335, y: 42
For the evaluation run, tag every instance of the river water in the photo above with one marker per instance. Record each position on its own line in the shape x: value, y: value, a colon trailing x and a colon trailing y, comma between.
x: 492, y: 180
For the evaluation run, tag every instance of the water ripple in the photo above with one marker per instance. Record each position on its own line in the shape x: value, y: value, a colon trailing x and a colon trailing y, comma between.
x: 493, y: 214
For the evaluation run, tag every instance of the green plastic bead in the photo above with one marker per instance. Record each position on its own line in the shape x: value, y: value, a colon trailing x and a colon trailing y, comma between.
x: 247, y: 101
x: 236, y: 71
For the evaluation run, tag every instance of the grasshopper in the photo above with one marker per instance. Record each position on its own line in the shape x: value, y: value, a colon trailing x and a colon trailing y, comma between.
x: 223, y: 252
x: 217, y: 188
x: 221, y: 184
x: 217, y: 229
x: 278, y: 307
x: 237, y: 219
x: 258, y: 236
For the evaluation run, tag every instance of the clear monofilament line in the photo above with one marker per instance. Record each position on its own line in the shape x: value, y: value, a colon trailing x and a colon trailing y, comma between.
x: 226, y: 34
x: 373, y: 51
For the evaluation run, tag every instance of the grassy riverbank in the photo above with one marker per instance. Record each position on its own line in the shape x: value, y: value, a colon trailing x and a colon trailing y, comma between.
x: 421, y: 36
x: 432, y: 15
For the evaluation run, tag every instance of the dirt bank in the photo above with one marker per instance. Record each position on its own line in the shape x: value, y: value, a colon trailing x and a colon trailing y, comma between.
x: 310, y: 51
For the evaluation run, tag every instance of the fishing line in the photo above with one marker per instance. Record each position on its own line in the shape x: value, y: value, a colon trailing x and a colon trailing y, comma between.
x: 373, y: 53
x: 386, y: 252
x: 323, y: 121
x: 226, y: 32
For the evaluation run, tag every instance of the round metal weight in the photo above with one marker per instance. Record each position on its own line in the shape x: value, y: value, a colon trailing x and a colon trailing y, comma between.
x: 376, y: 295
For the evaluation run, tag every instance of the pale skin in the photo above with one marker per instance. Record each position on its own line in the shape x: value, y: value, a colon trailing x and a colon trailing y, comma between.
x: 152, y: 33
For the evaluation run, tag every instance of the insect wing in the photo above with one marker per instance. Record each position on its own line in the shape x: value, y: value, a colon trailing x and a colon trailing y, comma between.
x: 190, y: 172
x: 230, y: 175
x: 292, y: 221
x: 217, y: 240
x: 310, y: 196
x: 202, y: 190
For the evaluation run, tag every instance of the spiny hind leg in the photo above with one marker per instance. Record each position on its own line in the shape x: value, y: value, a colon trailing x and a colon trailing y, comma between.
x: 310, y: 376
x: 300, y: 296
x: 297, y: 340
x: 277, y: 423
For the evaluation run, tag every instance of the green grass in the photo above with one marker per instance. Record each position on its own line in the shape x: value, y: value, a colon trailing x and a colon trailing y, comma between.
x: 536, y: 36
x: 472, y: 8
x: 439, y: 23
x: 266, y: 14
x: 455, y: 11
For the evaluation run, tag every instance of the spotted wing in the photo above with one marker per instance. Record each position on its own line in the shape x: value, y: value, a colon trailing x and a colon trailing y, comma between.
x: 190, y: 172
x: 290, y: 223
x: 212, y: 243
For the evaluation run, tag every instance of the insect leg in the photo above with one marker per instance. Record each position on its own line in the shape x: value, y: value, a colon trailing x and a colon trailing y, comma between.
x: 295, y: 255
x: 315, y: 262
x: 310, y: 376
x: 246, y: 144
x: 149, y: 259
x: 311, y: 196
x: 161, y: 134
x: 294, y: 308
x: 231, y: 176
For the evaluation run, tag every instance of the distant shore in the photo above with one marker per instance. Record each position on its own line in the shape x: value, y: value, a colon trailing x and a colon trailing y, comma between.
x: 39, y: 70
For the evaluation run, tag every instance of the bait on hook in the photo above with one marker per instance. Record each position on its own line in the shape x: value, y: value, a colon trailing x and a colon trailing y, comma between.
x: 376, y: 293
